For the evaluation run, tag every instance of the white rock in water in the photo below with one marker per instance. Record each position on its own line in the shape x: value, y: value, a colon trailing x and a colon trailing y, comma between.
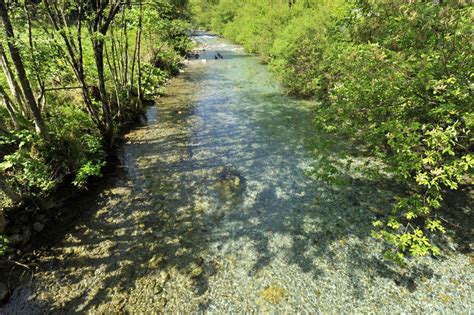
x: 203, y: 60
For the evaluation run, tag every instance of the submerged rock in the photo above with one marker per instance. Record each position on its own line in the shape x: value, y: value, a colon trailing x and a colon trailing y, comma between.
x: 273, y: 294
x: 195, y: 270
x: 231, y: 183
x: 155, y: 262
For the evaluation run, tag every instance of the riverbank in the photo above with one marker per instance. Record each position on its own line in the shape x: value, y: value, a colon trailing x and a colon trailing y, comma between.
x: 33, y: 228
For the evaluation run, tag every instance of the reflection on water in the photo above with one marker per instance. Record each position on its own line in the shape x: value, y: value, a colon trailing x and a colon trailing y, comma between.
x: 215, y: 213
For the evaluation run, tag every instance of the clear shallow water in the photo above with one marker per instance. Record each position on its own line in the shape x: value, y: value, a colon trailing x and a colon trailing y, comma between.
x: 215, y: 213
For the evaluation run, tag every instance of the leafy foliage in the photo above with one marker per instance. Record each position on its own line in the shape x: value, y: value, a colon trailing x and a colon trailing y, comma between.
x: 26, y: 169
x: 154, y: 79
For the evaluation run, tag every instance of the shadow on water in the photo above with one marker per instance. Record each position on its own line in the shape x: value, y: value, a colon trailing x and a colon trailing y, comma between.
x: 214, y: 172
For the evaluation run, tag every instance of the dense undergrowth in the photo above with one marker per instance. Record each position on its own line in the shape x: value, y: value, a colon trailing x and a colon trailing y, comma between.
x: 75, y: 74
x: 394, y: 77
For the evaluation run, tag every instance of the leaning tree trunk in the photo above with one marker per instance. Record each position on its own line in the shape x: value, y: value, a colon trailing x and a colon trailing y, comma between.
x: 12, y: 84
x: 22, y: 77
x: 9, y: 106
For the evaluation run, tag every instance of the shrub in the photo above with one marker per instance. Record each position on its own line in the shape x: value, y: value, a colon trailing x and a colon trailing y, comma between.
x: 24, y: 167
x: 394, y: 88
x: 166, y: 60
x: 153, y: 81
x: 32, y: 169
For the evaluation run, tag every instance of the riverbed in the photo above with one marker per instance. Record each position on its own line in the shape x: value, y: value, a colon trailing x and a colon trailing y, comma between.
x: 214, y: 212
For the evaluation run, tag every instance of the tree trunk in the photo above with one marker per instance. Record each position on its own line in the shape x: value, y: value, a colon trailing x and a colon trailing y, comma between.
x: 134, y: 58
x: 100, y: 25
x: 8, y: 105
x: 125, y: 57
x: 20, y: 68
x: 99, y: 61
x: 139, y: 64
x: 41, y: 100
x: 12, y: 84
x: 75, y: 59
x: 114, y: 72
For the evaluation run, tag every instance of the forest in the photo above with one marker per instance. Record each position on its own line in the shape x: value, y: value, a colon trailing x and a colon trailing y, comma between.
x: 391, y: 88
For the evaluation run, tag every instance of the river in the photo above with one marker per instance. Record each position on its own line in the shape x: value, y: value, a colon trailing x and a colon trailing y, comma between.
x: 214, y: 212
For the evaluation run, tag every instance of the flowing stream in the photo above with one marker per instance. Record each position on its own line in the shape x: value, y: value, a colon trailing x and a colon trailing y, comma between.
x: 214, y: 212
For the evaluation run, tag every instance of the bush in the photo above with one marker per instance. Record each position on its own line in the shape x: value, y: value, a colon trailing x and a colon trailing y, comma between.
x: 395, y: 89
x: 81, y: 149
x: 166, y: 60
x: 153, y: 81
x: 32, y: 169
x: 25, y: 168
